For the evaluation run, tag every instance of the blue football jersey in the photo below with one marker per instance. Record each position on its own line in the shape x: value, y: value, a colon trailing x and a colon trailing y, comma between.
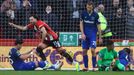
x: 90, y: 22
x: 124, y: 57
x: 15, y: 60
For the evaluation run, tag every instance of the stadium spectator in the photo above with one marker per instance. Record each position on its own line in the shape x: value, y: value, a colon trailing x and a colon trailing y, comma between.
x: 18, y: 4
x: 7, y: 14
x: 118, y: 24
x: 111, y: 9
x: 76, y: 7
x: 26, y: 4
x: 54, y: 4
x: 130, y: 24
x: 8, y: 7
x: 116, y: 4
x: 106, y: 32
x: 34, y: 5
x: 25, y: 11
x: 22, y: 18
x: 114, y: 7
x: 51, y: 18
x: 130, y: 3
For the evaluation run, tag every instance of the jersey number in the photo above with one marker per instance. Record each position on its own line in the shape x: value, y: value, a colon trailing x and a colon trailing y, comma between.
x: 10, y: 60
x: 56, y: 44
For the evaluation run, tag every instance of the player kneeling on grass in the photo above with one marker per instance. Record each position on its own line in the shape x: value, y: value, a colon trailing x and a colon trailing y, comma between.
x: 106, y: 57
x: 17, y: 59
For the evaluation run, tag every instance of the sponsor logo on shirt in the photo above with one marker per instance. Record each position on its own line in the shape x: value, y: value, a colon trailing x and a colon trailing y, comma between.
x: 87, y: 21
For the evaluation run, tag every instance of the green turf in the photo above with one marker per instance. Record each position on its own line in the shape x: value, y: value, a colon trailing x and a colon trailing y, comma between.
x: 62, y: 73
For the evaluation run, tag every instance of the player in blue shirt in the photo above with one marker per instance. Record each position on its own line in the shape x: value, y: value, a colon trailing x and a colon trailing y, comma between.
x: 17, y: 59
x: 124, y: 57
x: 89, y: 26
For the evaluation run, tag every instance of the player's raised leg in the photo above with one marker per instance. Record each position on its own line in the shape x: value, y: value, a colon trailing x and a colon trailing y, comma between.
x: 39, y: 51
x: 66, y: 55
x: 56, y: 44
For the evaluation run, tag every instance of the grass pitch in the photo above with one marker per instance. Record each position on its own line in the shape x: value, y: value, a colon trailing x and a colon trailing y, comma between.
x: 64, y: 73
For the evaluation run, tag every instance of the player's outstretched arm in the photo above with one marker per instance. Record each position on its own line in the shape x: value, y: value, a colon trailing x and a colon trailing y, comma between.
x: 26, y: 55
x: 18, y: 26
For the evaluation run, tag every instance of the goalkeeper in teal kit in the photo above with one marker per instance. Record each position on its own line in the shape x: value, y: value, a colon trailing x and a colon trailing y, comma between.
x: 106, y: 57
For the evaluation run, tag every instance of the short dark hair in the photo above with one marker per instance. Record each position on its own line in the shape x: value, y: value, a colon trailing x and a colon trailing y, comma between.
x: 109, y: 43
x: 35, y: 16
x: 127, y: 50
x: 18, y: 41
x: 90, y: 3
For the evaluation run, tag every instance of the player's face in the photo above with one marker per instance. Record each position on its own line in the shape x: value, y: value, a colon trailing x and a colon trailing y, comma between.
x: 19, y: 46
x: 111, y: 47
x: 116, y: 2
x: 89, y: 7
x: 32, y: 20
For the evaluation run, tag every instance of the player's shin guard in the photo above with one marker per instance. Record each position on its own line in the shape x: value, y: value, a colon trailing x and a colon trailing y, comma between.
x: 65, y: 54
x: 85, y: 60
x: 94, y: 61
x: 40, y: 53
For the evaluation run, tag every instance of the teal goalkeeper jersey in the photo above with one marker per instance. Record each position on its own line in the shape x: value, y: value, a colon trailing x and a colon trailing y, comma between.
x: 107, y: 57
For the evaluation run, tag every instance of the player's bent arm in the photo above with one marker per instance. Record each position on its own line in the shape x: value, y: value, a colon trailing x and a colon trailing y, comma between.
x: 25, y: 56
x: 81, y: 27
x: 44, y: 33
x: 19, y: 27
x: 119, y: 65
x: 117, y: 61
x: 28, y: 52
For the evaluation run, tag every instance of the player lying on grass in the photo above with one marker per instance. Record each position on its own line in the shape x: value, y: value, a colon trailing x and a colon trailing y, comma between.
x: 48, y: 38
x: 106, y: 57
x: 125, y: 57
x: 17, y: 59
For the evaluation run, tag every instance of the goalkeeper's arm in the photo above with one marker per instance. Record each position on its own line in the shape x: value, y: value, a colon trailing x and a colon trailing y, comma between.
x: 99, y: 63
x: 119, y: 65
x: 18, y: 27
x: 101, y: 67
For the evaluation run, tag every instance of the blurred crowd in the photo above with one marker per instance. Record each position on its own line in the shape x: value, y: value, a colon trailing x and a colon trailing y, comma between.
x: 64, y: 15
